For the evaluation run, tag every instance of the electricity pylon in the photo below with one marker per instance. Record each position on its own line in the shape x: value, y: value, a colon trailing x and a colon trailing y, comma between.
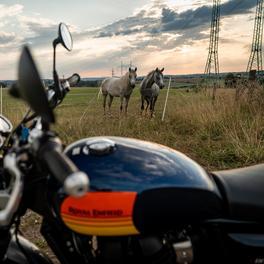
x: 255, y: 59
x: 212, y: 64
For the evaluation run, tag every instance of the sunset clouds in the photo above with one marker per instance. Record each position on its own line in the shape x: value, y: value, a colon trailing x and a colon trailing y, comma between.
x: 171, y: 34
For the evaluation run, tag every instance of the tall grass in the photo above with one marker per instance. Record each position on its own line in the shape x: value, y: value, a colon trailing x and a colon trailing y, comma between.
x: 226, y: 133
x: 220, y: 135
x: 223, y: 134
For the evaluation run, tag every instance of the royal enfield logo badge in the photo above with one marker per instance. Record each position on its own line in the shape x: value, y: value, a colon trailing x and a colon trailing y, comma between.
x: 100, y: 213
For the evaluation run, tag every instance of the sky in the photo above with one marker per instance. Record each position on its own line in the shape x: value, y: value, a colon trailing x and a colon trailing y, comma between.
x: 160, y: 33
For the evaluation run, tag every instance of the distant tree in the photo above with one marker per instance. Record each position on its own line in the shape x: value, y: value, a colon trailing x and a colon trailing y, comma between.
x: 252, y: 75
x: 2, y: 84
x: 88, y: 83
x: 230, y: 80
x: 230, y: 76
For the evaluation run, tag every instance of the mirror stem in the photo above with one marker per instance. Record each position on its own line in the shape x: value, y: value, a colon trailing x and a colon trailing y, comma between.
x: 55, y: 74
x: 55, y: 42
x: 57, y: 85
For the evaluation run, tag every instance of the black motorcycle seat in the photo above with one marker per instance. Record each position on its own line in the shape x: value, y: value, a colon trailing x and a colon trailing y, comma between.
x: 244, y: 192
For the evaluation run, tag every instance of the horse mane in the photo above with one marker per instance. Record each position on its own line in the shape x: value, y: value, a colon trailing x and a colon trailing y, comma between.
x: 145, y: 82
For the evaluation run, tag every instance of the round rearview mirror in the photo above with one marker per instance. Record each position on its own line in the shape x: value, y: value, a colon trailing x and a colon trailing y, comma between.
x: 65, y: 36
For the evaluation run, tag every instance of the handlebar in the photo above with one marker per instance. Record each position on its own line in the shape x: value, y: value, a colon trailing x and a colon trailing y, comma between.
x: 65, y: 86
x: 75, y: 182
x: 74, y: 79
x: 56, y: 94
x: 50, y: 153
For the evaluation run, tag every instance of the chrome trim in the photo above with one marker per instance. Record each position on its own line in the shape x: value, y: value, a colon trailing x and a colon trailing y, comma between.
x: 9, y: 130
x: 184, y: 252
x: 50, y: 94
x: 101, y: 147
x: 7, y: 213
x: 76, y: 184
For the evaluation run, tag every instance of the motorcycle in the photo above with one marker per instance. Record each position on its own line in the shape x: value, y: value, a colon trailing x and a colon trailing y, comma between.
x: 121, y: 200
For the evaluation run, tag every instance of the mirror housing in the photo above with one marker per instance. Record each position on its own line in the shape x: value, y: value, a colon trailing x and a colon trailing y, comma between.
x: 64, y: 37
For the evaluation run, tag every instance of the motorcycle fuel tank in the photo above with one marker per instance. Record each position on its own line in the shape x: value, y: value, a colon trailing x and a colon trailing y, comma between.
x: 137, y: 187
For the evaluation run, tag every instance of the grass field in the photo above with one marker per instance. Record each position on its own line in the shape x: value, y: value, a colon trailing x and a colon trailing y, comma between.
x: 218, y: 136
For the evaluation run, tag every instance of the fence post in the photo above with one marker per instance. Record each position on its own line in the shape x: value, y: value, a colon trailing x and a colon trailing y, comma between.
x: 166, y: 100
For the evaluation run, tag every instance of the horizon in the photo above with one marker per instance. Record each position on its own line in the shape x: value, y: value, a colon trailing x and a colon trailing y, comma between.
x: 140, y: 76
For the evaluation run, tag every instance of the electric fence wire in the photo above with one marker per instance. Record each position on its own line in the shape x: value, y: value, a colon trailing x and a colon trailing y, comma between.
x: 88, y: 106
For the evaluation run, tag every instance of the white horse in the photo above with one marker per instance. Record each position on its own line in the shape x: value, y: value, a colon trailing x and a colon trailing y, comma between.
x: 149, y: 89
x: 119, y: 87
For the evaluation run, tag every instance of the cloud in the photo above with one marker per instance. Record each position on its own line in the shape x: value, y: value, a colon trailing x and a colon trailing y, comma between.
x: 160, y: 27
x: 17, y: 28
x: 6, y: 38
x: 9, y: 37
x: 153, y: 19
x: 201, y: 17
x: 10, y: 11
x: 173, y: 21
x: 130, y: 25
x: 158, y: 18
x: 237, y: 7
x: 168, y: 19
x: 38, y: 31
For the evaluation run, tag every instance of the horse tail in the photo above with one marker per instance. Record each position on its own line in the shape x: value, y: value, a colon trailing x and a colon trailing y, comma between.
x: 141, y: 87
x: 99, y: 93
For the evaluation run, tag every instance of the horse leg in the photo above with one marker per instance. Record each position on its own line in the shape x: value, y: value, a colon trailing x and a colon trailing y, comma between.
x: 126, y: 106
x: 153, y: 106
x: 105, y: 96
x: 121, y: 104
x: 110, y: 103
x: 142, y: 104
x: 147, y: 105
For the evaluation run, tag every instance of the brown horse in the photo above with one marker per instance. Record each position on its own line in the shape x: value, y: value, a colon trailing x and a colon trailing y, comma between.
x: 119, y: 87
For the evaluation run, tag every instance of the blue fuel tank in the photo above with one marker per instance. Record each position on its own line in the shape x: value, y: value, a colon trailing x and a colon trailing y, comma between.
x: 171, y: 188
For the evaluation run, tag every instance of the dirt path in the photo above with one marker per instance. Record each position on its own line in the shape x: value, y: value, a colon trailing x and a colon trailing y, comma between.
x: 30, y: 227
